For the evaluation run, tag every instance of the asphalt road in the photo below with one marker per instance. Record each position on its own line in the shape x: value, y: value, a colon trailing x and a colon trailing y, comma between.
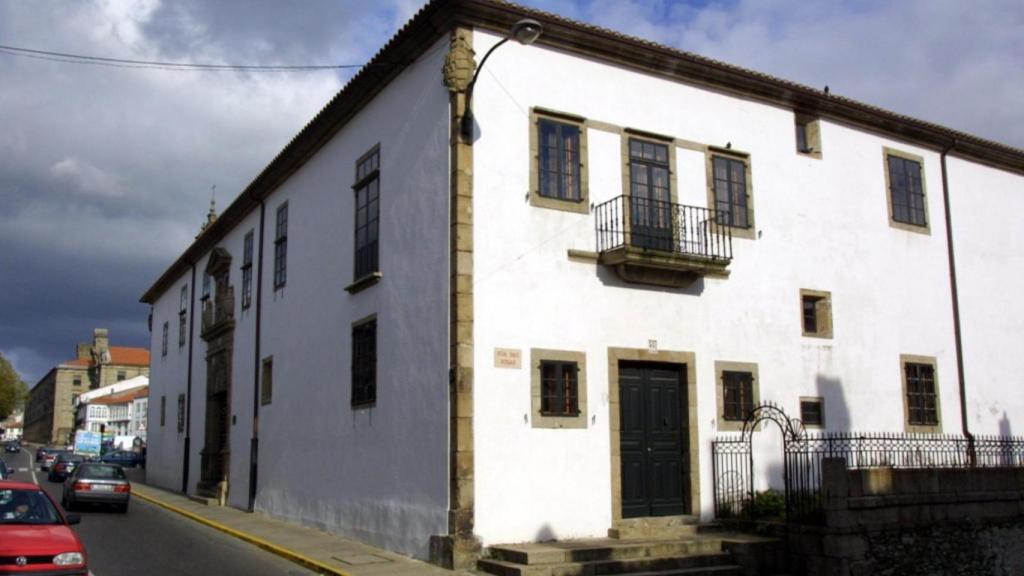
x: 151, y: 540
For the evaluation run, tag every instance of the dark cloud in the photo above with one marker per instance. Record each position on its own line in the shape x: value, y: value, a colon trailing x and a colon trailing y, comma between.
x: 105, y: 173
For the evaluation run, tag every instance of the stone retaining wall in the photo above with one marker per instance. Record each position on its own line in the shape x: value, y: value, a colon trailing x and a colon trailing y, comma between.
x: 914, y: 522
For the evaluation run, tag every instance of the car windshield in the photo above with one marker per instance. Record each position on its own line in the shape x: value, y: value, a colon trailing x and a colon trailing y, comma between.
x: 19, y: 506
x: 92, y: 471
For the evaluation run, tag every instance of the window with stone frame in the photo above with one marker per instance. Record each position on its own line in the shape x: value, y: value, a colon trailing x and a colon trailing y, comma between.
x: 730, y: 186
x: 247, y: 271
x: 558, y: 388
x: 364, y: 363
x: 558, y: 161
x: 281, y: 247
x: 650, y: 194
x: 816, y: 313
x: 906, y: 190
x: 121, y: 375
x: 812, y: 412
x: 737, y: 395
x: 922, y: 403
x: 808, y: 135
x: 366, y: 259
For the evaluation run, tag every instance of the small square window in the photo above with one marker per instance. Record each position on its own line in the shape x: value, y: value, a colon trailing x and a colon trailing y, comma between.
x: 816, y: 313
x: 808, y: 135
x: 559, y: 394
x: 558, y: 388
x: 738, y: 393
x: 121, y: 375
x: 812, y: 412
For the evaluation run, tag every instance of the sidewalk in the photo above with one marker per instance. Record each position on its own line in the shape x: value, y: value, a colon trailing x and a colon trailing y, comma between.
x: 318, y: 551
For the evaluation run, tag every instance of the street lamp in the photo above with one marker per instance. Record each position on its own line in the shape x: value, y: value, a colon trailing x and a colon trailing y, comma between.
x: 526, y: 32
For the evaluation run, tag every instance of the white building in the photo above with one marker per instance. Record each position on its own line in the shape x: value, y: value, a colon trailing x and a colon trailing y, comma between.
x: 140, y: 415
x: 111, y: 408
x: 506, y: 337
x: 13, y: 427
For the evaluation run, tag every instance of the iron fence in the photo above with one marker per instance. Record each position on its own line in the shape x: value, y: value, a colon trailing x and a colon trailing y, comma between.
x: 733, y: 463
x: 664, y: 226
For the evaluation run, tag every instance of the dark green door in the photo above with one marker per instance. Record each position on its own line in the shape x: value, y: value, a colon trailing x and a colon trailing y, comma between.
x: 653, y: 441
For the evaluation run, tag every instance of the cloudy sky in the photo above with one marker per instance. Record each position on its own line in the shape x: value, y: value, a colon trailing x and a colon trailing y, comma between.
x: 106, y: 171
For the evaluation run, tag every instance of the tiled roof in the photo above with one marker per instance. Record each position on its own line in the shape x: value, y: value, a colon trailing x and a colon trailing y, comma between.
x: 439, y: 16
x: 122, y: 397
x: 119, y: 355
x: 129, y: 356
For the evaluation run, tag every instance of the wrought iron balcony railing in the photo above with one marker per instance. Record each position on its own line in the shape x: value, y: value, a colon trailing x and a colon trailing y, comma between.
x: 689, y: 231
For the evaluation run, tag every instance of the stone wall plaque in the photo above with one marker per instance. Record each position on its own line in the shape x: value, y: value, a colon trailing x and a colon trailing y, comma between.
x: 508, y: 358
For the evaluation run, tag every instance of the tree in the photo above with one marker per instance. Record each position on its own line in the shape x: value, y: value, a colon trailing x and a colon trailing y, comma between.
x: 13, y: 390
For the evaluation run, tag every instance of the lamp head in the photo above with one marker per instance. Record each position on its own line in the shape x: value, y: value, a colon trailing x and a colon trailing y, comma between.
x: 526, y: 31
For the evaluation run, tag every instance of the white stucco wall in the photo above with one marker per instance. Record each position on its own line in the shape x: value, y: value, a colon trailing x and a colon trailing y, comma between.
x: 379, y: 474
x: 989, y: 238
x: 167, y: 378
x: 822, y: 224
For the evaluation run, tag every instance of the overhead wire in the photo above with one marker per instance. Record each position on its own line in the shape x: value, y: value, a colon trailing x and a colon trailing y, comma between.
x: 159, y: 65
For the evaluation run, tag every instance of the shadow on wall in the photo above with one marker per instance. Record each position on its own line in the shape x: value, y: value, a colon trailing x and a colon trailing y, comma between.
x: 836, y: 412
x: 608, y: 277
x: 1007, y: 458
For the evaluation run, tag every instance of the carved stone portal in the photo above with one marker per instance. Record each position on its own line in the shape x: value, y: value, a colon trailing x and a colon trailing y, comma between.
x: 218, y: 332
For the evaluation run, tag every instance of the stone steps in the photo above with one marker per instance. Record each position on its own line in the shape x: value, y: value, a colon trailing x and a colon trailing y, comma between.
x: 694, y: 556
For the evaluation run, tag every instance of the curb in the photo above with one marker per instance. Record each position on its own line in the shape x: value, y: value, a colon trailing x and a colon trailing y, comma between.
x: 305, y: 561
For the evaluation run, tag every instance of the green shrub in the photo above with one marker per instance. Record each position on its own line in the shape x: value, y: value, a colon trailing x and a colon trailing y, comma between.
x: 767, y: 504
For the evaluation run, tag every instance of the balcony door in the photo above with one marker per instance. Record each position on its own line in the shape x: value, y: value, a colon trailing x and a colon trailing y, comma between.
x: 650, y: 204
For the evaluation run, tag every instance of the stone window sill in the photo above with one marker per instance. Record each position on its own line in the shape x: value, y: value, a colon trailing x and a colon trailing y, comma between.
x: 364, y: 282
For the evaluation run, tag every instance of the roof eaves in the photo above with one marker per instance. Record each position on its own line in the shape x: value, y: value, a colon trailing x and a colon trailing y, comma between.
x: 398, y: 53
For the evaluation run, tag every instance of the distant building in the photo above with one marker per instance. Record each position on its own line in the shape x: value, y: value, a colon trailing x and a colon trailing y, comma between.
x: 93, y: 409
x: 50, y: 411
x: 12, y: 427
x: 112, y: 413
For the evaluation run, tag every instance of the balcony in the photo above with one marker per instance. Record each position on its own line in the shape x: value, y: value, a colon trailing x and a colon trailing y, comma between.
x: 660, y: 243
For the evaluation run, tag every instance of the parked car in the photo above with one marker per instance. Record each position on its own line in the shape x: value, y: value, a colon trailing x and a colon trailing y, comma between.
x: 50, y: 456
x: 98, y: 483
x: 63, y: 466
x: 5, y: 472
x: 34, y: 528
x: 13, y: 447
x: 123, y: 457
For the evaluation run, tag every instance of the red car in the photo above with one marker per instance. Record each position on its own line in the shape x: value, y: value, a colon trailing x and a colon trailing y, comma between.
x: 35, y: 536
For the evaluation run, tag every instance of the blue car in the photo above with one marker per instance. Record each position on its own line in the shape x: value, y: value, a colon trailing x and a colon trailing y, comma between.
x: 123, y: 457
